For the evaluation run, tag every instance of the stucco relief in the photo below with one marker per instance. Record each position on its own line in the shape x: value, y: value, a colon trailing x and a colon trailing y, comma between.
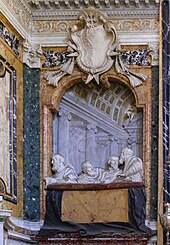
x: 134, y: 25
x: 86, y: 38
x: 32, y: 54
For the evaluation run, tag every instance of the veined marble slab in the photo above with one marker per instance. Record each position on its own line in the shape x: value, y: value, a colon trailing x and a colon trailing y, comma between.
x: 95, y: 206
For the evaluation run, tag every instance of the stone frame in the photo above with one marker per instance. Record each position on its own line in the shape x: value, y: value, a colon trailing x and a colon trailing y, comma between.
x: 51, y: 96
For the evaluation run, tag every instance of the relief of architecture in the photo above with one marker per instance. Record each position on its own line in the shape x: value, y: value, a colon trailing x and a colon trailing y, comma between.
x: 84, y: 122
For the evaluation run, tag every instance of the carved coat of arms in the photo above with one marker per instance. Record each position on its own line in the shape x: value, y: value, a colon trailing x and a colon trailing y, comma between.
x: 94, y: 43
x: 93, y: 47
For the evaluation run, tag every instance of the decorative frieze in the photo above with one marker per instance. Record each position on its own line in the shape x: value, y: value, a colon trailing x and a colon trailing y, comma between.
x: 134, y: 25
x: 12, y: 41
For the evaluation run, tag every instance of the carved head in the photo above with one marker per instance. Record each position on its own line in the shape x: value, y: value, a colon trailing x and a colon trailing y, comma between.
x: 87, y: 167
x: 125, y: 155
x: 113, y: 163
x: 57, y: 163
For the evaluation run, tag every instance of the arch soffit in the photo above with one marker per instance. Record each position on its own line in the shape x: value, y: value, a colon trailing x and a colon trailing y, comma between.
x: 78, y: 77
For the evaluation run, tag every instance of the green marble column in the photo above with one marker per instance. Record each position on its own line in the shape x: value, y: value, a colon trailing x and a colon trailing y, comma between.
x: 155, y: 118
x: 31, y: 142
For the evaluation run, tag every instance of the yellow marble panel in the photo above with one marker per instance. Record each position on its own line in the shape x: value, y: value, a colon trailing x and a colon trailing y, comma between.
x: 5, y: 130
x: 8, y: 54
x: 95, y: 206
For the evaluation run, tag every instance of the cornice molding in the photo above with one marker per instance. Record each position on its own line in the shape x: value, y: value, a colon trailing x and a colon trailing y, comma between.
x: 72, y: 14
x: 70, y: 9
x: 41, y: 4
x: 18, y: 16
x: 28, y: 18
x: 52, y: 33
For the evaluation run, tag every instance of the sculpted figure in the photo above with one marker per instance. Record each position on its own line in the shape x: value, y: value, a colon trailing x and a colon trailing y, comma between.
x: 91, y: 175
x: 112, y: 169
x: 62, y: 173
x: 133, y: 166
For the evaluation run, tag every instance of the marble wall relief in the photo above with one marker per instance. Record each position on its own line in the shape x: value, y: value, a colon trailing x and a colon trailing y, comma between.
x: 8, y: 173
x: 112, y: 114
x: 93, y: 124
x: 86, y: 37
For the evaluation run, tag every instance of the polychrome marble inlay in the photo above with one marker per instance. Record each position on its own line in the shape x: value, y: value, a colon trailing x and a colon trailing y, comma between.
x: 12, y: 41
x: 8, y: 132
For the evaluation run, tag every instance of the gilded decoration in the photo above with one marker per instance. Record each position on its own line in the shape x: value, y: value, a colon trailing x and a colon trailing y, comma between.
x: 2, y: 186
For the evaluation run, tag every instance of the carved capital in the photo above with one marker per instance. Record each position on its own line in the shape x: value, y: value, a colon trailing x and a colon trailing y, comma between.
x: 65, y: 114
x: 154, y: 47
x: 32, y: 55
x: 114, y: 139
x: 91, y: 127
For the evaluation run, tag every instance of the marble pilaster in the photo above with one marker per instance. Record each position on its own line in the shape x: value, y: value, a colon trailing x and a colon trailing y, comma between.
x: 31, y: 144
x: 114, y: 146
x: 63, y: 133
x: 90, y: 143
x: 154, y: 166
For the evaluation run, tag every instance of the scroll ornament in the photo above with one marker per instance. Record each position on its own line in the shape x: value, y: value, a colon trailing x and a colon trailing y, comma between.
x: 93, y: 47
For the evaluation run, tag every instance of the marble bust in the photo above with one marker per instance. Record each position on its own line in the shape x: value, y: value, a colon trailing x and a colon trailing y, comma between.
x: 112, y: 169
x: 133, y: 166
x: 62, y: 173
x: 91, y: 175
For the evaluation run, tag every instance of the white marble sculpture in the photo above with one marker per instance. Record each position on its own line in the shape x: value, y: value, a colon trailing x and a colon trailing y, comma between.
x: 62, y: 173
x: 133, y: 166
x: 112, y: 169
x: 91, y: 175
x: 86, y: 38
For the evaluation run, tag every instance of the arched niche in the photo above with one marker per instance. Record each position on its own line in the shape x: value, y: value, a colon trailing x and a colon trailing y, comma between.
x: 54, y: 105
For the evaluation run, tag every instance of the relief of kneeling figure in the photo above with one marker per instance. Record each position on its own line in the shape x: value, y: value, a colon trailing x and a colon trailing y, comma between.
x: 62, y: 173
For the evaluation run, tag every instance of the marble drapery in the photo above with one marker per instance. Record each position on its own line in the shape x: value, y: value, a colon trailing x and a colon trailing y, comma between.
x: 53, y: 223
